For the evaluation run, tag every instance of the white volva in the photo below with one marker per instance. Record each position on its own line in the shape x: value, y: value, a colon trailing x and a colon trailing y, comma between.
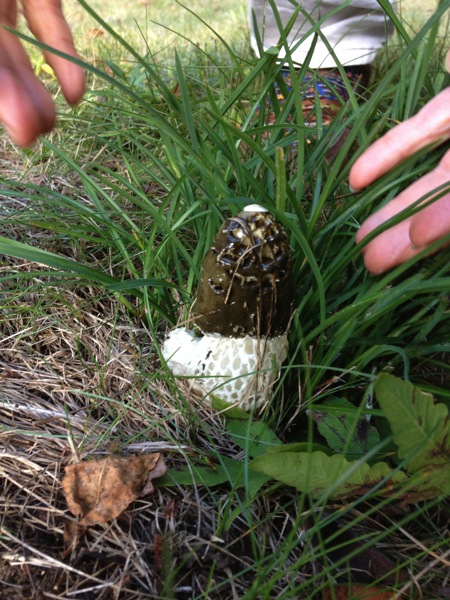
x: 240, y: 371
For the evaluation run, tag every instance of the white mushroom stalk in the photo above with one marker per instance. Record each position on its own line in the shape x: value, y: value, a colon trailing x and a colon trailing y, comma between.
x: 243, y: 310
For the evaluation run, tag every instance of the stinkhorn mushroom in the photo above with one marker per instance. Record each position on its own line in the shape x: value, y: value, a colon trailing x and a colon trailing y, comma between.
x: 243, y: 310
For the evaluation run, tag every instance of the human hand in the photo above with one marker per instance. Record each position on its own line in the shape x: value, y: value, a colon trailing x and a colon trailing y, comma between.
x: 26, y: 107
x: 401, y: 242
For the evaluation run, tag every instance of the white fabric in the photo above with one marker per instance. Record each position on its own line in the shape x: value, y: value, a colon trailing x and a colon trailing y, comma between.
x: 355, y: 32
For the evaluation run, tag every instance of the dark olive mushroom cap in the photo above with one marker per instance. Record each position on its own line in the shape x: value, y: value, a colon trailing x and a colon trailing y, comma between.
x: 246, y: 281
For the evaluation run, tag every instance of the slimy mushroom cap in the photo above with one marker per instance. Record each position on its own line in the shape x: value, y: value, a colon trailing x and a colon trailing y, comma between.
x: 245, y: 285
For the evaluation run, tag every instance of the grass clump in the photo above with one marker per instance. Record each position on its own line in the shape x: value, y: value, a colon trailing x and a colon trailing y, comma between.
x: 104, y: 225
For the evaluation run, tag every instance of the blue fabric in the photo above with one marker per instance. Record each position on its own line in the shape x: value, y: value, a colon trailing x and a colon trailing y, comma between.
x: 325, y: 84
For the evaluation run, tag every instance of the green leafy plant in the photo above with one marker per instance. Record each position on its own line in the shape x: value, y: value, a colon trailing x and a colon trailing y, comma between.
x: 420, y: 429
x: 345, y: 431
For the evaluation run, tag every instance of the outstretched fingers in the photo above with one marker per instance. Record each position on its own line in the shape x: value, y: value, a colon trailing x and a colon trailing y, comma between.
x: 433, y: 222
x: 26, y: 108
x: 429, y: 126
x: 409, y: 237
x: 46, y: 21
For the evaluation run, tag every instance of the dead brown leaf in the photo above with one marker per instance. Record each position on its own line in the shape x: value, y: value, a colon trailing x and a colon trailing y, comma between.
x: 72, y: 534
x: 100, y: 490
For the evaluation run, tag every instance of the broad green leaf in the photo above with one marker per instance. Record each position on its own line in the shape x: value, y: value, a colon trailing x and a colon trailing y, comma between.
x: 316, y: 473
x: 301, y: 447
x: 193, y: 475
x: 429, y: 482
x: 420, y: 427
x: 230, y: 411
x: 254, y: 437
x: 237, y: 473
x: 344, y: 431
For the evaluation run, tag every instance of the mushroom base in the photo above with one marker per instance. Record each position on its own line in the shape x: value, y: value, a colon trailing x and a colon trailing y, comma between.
x: 240, y: 371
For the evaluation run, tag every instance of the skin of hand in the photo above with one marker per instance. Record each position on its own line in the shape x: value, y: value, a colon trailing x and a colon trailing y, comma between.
x: 26, y: 108
x: 396, y: 245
